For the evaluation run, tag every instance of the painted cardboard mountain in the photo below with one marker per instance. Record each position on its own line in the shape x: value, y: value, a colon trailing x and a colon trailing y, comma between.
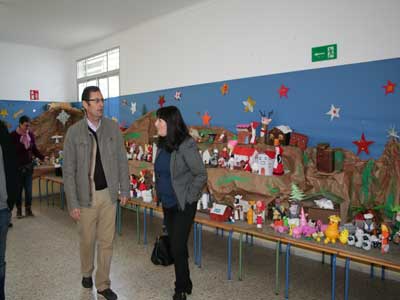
x: 51, y: 126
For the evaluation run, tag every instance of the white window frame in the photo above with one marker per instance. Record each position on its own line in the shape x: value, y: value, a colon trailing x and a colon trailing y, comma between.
x: 99, y: 76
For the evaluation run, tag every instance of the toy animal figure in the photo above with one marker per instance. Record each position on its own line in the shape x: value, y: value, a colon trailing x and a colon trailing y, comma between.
x: 343, y: 237
x: 264, y: 124
x: 369, y: 225
x: 238, y: 208
x: 318, y: 235
x: 385, y: 238
x: 358, y: 238
x: 250, y: 213
x: 296, y: 232
x: 332, y: 231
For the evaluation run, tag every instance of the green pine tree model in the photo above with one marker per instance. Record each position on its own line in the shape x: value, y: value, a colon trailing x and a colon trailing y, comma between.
x: 296, y: 194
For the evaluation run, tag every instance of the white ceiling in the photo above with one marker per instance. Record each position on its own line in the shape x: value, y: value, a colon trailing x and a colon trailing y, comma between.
x: 65, y: 24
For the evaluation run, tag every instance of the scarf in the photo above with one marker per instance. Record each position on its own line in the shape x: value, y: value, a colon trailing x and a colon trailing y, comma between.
x: 25, y: 138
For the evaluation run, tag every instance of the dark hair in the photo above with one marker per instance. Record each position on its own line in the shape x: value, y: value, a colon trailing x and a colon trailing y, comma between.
x: 89, y: 89
x: 177, y: 130
x: 24, y: 119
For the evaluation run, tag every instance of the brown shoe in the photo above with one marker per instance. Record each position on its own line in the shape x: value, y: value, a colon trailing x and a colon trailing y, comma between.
x: 19, y: 213
x: 28, y: 212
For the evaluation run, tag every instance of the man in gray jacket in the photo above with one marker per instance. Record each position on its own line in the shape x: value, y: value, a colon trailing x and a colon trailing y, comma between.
x: 95, y: 173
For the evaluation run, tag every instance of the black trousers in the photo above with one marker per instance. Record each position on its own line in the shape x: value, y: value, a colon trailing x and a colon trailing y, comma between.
x: 179, y: 223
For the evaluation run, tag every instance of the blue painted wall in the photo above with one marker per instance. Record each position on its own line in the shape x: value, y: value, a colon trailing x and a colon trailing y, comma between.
x: 356, y: 89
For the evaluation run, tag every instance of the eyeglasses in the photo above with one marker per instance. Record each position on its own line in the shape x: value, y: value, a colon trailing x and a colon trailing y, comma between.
x: 97, y: 100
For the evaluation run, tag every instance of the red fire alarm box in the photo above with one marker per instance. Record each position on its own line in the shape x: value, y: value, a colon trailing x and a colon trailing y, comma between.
x: 34, y: 94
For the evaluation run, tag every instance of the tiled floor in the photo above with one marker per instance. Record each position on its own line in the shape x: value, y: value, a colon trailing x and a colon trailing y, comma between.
x: 43, y: 263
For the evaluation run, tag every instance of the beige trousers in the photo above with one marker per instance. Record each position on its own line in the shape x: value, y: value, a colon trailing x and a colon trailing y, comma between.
x: 97, y: 223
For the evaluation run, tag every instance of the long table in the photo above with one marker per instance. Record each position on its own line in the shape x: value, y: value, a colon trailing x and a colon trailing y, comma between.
x: 373, y: 257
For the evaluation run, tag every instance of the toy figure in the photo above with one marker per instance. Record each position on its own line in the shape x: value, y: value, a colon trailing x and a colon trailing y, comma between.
x: 206, y: 157
x: 140, y: 153
x: 203, y: 201
x: 231, y: 162
x: 238, y: 208
x: 332, y: 231
x: 254, y: 126
x: 278, y: 163
x: 264, y: 125
x: 214, y: 158
x: 260, y: 210
x: 250, y: 213
x: 385, y: 238
x: 247, y: 166
x: 221, y: 162
x: 224, y: 153
x: 222, y: 138
x: 369, y: 225
x: 278, y: 212
x: 149, y: 156
x: 343, y: 237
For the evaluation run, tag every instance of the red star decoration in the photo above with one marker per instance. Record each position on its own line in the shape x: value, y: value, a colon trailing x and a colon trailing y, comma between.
x: 389, y: 87
x: 363, y: 144
x: 283, y: 90
x: 161, y: 101
x: 206, y: 119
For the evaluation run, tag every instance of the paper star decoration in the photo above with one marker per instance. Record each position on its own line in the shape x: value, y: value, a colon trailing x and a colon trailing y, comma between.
x: 392, y: 134
x: 206, y: 119
x: 333, y: 112
x: 133, y: 107
x: 363, y: 144
x: 63, y: 117
x: 224, y: 89
x: 249, y: 104
x: 4, y: 113
x: 389, y: 87
x: 161, y: 101
x: 178, y: 95
x: 283, y: 90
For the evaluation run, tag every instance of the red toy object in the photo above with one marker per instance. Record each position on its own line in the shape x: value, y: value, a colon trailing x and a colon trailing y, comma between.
x: 299, y: 140
x: 247, y: 166
x: 220, y: 213
x: 363, y: 144
x: 161, y: 101
x: 278, y: 163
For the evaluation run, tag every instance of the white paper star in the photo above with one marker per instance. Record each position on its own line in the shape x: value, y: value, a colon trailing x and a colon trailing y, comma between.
x: 392, y: 133
x: 333, y: 112
x: 63, y: 117
x: 133, y: 107
x: 178, y: 95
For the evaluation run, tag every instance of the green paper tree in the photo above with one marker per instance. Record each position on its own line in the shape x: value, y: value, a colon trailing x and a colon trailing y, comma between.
x: 296, y: 194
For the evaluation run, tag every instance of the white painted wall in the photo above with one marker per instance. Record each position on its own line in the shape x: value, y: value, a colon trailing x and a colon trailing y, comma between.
x: 226, y: 39
x: 23, y: 68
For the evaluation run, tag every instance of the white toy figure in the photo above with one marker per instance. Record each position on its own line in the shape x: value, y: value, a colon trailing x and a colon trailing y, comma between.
x: 203, y: 201
x: 369, y: 225
x: 359, y: 238
x: 140, y: 153
x: 214, y: 158
x: 206, y: 157
x: 231, y: 162
x: 254, y: 126
x: 221, y: 137
x: 238, y: 208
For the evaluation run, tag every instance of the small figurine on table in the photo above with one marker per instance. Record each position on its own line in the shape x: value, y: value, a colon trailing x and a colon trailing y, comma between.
x: 369, y: 225
x: 260, y: 213
x: 385, y: 238
x: 238, y: 208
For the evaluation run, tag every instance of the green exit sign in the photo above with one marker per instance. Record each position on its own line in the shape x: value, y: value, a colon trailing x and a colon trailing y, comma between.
x: 324, y: 53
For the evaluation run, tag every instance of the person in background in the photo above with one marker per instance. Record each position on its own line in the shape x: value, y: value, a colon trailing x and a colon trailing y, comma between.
x: 180, y: 176
x: 95, y: 171
x: 8, y: 195
x: 24, y: 141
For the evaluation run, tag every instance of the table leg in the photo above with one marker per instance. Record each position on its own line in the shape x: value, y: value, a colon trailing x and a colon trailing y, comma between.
x: 333, y: 275
x: 145, y: 226
x: 40, y: 192
x: 241, y: 254
x: 346, y: 279
x: 383, y: 273
x: 287, y: 272
x: 230, y: 255
x: 277, y: 255
x: 62, y: 196
x: 199, y: 236
x: 372, y: 271
x: 138, y: 223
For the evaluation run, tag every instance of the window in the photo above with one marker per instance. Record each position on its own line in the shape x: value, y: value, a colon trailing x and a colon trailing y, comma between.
x: 101, y: 70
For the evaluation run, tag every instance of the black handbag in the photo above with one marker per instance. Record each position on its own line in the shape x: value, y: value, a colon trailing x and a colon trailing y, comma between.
x: 161, y: 254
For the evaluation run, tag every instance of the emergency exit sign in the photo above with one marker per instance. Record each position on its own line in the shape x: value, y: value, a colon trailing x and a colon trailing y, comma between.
x: 321, y: 53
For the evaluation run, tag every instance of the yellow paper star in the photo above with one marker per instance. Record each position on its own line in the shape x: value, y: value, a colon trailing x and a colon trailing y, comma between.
x: 249, y: 104
x: 4, y: 113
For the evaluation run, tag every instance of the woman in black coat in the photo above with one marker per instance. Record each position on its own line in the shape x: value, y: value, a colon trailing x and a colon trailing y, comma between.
x: 180, y: 176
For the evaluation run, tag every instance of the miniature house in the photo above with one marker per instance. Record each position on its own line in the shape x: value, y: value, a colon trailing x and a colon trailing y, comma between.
x: 299, y: 140
x: 282, y: 133
x: 265, y: 163
x: 243, y: 133
x: 244, y: 154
